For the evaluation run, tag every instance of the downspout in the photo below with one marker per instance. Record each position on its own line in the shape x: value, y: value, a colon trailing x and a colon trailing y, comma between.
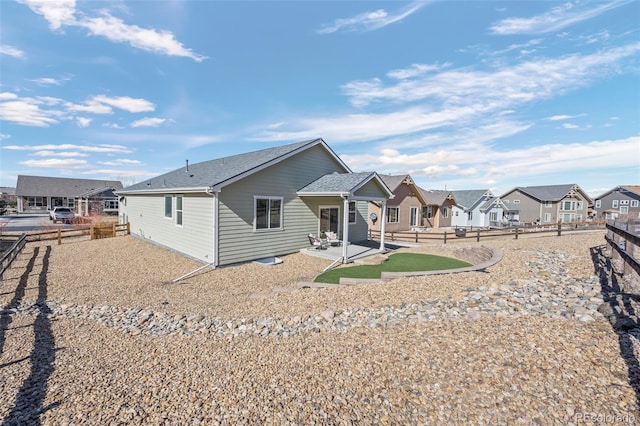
x: 216, y: 228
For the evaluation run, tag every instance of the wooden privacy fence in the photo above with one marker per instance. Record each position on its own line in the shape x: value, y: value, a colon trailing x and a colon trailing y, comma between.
x: 623, y: 238
x: 9, y: 255
x: 100, y: 230
x: 478, y: 234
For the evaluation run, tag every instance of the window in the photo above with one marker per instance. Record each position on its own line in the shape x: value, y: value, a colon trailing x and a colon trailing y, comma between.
x: 578, y: 205
x: 624, y: 209
x: 71, y: 202
x: 352, y: 212
x: 624, y: 202
x: 470, y: 215
x: 634, y: 203
x: 110, y: 204
x: 426, y: 212
x: 445, y: 212
x: 179, y: 210
x: 35, y: 201
x: 614, y: 204
x: 547, y: 217
x: 566, y: 205
x: 598, y: 204
x: 168, y: 206
x: 393, y: 214
x: 457, y: 213
x: 547, y: 204
x: 268, y: 213
x: 516, y: 201
x: 493, y: 216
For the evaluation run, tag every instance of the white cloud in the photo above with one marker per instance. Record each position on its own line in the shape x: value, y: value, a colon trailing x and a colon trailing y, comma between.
x: 119, y: 162
x: 114, y: 29
x: 104, y: 148
x: 63, y: 13
x: 126, y: 103
x: 58, y: 13
x: 148, y: 122
x: 5, y: 49
x: 48, y: 81
x: 555, y: 19
x: 27, y: 112
x: 504, y: 86
x: 369, y: 21
x: 50, y: 153
x: 83, y: 121
x: 415, y: 70
x: 560, y: 117
x: 7, y: 95
x: 570, y: 126
x: 55, y: 163
x: 4, y: 136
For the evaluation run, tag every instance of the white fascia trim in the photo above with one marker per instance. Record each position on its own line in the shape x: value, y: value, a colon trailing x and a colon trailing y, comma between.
x: 323, y: 194
x: 164, y: 191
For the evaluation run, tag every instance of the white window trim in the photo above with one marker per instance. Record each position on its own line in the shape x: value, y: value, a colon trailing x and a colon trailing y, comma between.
x: 548, y: 204
x: 180, y: 225
x: 614, y: 204
x: 624, y: 202
x: 624, y: 209
x: 255, y: 219
x: 598, y: 204
x: 634, y: 203
x: 547, y: 218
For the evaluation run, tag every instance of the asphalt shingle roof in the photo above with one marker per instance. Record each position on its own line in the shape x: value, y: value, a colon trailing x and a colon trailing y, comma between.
x: 215, y: 172
x: 60, y: 187
x: 336, y: 183
x: 435, y: 197
x: 546, y: 192
x: 467, y: 198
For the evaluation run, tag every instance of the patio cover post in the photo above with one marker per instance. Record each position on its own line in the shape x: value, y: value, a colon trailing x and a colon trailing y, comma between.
x: 383, y: 222
x: 345, y: 230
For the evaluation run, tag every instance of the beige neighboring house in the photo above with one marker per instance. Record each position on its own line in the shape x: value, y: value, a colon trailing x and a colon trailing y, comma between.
x: 623, y: 200
x: 39, y: 194
x: 438, y: 208
x: 549, y: 203
x: 404, y: 210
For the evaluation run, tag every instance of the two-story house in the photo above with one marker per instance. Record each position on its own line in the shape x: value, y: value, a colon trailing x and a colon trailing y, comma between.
x: 549, y: 203
x: 623, y: 200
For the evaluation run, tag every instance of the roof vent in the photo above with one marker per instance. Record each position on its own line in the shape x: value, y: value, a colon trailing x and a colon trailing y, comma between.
x: 187, y: 161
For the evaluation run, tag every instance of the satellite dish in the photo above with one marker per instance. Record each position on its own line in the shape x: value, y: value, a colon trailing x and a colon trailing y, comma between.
x: 373, y: 216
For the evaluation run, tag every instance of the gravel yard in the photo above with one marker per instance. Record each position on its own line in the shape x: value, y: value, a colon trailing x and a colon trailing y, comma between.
x: 94, y: 332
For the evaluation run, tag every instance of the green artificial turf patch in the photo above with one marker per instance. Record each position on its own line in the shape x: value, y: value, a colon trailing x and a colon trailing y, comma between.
x: 399, y: 262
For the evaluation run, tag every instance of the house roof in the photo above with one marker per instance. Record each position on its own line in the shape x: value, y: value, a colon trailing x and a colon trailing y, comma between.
x: 468, y: 198
x: 220, y: 172
x: 487, y: 205
x: 394, y: 182
x: 436, y: 197
x: 550, y: 192
x: 342, y: 184
x: 59, y: 187
x: 634, y: 191
x: 92, y: 193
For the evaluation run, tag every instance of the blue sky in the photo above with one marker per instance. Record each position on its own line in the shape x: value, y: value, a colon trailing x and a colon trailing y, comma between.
x: 461, y: 95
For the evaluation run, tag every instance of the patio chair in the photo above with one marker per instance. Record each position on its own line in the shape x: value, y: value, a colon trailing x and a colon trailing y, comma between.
x: 319, y: 243
x: 333, y: 239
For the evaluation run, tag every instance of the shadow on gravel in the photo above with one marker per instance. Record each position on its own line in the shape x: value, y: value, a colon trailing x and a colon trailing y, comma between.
x: 618, y: 309
x: 5, y: 316
x: 27, y: 407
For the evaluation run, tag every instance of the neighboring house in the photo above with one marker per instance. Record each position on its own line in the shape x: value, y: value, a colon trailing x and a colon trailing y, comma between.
x: 477, y: 208
x: 38, y: 194
x: 549, y: 204
x: 254, y: 205
x: 621, y: 200
x: 99, y: 201
x: 404, y: 210
x: 438, y: 208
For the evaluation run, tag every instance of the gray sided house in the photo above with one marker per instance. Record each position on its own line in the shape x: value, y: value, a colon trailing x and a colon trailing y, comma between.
x: 254, y: 205
x: 549, y: 203
x: 38, y: 194
x: 620, y: 201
